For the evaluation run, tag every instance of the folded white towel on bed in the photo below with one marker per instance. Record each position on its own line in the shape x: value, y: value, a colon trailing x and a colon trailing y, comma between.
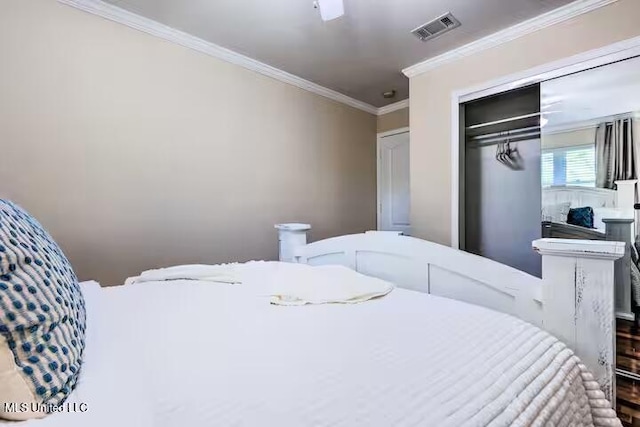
x: 299, y: 284
x: 222, y: 273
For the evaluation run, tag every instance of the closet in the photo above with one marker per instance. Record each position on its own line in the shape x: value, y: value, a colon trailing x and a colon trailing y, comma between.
x: 501, y: 198
x: 558, y: 159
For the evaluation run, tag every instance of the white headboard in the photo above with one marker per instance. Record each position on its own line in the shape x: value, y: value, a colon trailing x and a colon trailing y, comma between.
x: 580, y: 196
x: 622, y: 199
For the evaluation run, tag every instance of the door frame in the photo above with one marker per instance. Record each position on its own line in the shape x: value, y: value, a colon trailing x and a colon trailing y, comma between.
x: 379, y: 138
x: 619, y: 51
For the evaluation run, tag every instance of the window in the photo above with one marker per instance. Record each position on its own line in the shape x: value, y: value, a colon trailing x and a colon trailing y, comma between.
x: 547, y: 168
x: 569, y: 166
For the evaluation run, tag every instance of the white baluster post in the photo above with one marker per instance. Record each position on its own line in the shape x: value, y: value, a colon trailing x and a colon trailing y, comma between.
x: 625, y: 199
x: 578, y: 300
x: 290, y: 237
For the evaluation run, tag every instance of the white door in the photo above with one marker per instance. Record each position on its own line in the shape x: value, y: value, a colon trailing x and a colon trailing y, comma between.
x: 393, y: 183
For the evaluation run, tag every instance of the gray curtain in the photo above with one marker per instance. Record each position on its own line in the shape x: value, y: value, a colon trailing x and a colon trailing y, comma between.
x: 615, y: 153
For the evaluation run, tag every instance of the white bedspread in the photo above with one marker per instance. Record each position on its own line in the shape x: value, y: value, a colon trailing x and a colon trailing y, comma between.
x: 222, y: 273
x: 219, y: 355
x: 300, y: 284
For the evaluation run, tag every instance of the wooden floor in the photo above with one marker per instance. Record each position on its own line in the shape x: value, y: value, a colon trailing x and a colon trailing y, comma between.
x: 628, y: 359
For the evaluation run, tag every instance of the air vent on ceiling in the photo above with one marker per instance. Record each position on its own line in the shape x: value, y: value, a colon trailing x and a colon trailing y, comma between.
x: 436, y: 27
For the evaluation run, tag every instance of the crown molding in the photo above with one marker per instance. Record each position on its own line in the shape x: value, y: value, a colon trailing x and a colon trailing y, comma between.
x: 588, y: 124
x: 154, y: 28
x: 570, y: 127
x: 556, y: 16
x: 400, y: 105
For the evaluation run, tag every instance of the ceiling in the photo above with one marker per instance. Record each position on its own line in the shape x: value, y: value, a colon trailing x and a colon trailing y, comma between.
x: 359, y: 55
x: 591, y: 95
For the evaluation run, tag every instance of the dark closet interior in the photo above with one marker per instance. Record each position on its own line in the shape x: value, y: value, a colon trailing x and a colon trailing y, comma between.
x: 501, y: 199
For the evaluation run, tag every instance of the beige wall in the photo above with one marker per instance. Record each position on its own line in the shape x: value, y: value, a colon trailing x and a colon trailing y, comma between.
x: 569, y: 138
x: 431, y: 100
x: 137, y: 153
x: 394, y: 120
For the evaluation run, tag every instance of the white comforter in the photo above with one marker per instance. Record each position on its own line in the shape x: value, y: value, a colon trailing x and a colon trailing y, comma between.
x: 201, y: 354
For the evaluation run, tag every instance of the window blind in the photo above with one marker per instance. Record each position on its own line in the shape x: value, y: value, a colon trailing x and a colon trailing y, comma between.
x: 547, y: 169
x: 569, y: 166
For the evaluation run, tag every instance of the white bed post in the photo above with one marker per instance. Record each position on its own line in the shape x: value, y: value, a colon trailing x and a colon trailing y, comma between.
x: 290, y: 237
x: 625, y: 199
x: 578, y: 301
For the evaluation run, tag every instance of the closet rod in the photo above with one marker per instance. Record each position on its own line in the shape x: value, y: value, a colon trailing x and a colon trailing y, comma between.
x: 510, y: 119
x: 494, y: 141
x: 513, y: 132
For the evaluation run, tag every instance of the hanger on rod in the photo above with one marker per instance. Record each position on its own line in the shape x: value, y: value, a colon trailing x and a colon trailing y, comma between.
x: 508, y: 155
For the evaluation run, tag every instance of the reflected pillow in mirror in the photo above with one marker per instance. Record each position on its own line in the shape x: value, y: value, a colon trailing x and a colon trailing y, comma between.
x: 582, y: 217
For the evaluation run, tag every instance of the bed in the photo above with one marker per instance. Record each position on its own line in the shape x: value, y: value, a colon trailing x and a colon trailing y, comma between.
x: 459, y: 342
x: 614, y: 219
x: 562, y: 230
x: 606, y: 203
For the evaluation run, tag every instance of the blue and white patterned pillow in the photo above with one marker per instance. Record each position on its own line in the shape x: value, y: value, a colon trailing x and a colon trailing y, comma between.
x: 42, y: 316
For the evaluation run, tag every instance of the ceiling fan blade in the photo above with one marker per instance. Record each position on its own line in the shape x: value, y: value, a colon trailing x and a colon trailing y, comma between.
x: 331, y: 9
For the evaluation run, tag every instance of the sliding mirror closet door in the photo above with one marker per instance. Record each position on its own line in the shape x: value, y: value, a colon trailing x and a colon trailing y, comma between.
x: 590, y: 135
x: 501, y: 206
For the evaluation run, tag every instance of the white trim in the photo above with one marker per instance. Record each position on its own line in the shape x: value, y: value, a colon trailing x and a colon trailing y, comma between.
x: 122, y: 16
x: 598, y: 249
x: 379, y: 138
x: 573, y: 64
x: 587, y: 124
x: 571, y: 127
x: 400, y: 105
x: 455, y: 172
x: 393, y: 132
x: 378, y: 183
x: 615, y: 52
x: 625, y: 316
x: 548, y: 19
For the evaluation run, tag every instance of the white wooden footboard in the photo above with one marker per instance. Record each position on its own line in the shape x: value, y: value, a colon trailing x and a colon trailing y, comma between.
x: 573, y: 300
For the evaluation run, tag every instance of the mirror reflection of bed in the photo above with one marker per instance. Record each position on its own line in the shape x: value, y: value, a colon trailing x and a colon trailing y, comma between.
x: 589, y: 168
x: 603, y: 214
x: 558, y: 200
